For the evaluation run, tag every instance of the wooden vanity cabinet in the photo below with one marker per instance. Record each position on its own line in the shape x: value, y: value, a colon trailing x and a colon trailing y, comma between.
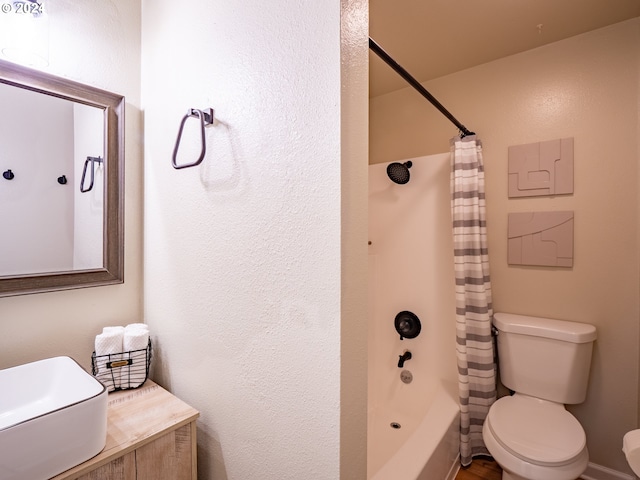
x: 151, y: 435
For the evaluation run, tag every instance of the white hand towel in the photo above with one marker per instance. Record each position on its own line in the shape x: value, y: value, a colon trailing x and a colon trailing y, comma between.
x: 142, y: 326
x: 136, y: 337
x: 109, y: 342
x: 117, y: 329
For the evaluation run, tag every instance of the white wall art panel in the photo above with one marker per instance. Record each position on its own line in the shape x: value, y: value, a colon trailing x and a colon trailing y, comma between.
x: 541, y: 238
x: 542, y: 168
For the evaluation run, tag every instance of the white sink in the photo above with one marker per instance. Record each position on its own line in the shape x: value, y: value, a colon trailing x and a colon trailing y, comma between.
x: 53, y: 416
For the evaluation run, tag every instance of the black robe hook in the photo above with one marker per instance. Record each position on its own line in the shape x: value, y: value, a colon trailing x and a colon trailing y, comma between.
x: 8, y: 175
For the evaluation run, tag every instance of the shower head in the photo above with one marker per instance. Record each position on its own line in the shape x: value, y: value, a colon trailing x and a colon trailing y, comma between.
x: 399, y: 172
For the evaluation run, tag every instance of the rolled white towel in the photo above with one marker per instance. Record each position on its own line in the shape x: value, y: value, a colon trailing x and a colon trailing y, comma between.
x: 117, y: 329
x: 109, y: 342
x: 141, y: 326
x: 136, y: 337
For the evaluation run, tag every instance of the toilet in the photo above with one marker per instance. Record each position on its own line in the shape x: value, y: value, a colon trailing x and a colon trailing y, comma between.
x: 546, y: 364
x: 631, y: 449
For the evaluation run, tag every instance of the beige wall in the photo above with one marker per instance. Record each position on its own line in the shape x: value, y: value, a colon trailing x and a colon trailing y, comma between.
x: 354, y: 187
x: 586, y: 87
x: 99, y: 46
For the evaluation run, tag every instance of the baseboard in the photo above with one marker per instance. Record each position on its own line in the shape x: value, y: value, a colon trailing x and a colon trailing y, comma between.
x: 597, y: 472
x: 455, y: 467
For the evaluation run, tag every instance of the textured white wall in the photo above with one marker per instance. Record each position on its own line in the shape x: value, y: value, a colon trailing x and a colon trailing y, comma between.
x: 243, y: 272
x: 98, y: 45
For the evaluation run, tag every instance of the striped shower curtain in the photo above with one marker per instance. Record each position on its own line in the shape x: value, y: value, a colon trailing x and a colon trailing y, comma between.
x: 474, y: 310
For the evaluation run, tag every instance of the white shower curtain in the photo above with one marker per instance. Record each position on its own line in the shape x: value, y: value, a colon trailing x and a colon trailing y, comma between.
x: 474, y: 310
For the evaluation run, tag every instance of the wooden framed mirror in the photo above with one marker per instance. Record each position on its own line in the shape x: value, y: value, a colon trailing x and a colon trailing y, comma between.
x: 61, y: 183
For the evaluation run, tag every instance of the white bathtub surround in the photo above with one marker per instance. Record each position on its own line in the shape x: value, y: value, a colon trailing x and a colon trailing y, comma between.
x: 474, y: 308
x: 410, y: 258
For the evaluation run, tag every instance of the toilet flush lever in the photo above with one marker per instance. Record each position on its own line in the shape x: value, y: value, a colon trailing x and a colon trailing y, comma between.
x: 403, y: 358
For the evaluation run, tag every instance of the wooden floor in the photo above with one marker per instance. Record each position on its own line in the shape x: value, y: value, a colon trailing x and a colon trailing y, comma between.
x: 480, y: 469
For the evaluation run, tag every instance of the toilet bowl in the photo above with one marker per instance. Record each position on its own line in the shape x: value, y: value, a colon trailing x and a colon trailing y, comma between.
x: 546, y: 363
x: 534, y: 439
x: 631, y: 449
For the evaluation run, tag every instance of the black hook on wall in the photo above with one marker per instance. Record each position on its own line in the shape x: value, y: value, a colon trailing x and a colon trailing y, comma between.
x: 62, y: 180
x: 8, y: 175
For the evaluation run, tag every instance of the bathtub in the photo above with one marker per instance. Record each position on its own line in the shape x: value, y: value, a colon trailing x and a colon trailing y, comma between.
x: 423, y: 449
x: 411, y: 268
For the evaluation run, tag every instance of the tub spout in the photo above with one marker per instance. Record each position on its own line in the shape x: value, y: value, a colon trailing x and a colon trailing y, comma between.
x: 403, y: 358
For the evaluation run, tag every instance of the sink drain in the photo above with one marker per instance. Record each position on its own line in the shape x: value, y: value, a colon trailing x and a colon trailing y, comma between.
x: 395, y: 425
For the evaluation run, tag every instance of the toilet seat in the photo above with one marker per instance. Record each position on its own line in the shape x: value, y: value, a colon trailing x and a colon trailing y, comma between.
x: 536, y: 431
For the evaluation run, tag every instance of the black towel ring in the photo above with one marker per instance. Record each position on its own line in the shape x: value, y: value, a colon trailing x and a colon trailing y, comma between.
x: 90, y: 162
x: 205, y: 118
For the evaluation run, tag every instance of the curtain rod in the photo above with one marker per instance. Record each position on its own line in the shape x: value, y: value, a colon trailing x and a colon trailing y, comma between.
x: 377, y: 49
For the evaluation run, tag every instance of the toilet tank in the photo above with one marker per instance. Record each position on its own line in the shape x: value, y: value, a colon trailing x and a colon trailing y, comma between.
x: 544, y: 358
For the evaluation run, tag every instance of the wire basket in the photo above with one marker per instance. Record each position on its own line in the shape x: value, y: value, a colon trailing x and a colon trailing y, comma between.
x: 124, y: 370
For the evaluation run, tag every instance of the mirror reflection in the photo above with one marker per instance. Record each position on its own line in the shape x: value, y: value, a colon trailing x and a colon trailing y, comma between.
x: 61, y: 183
x: 51, y: 222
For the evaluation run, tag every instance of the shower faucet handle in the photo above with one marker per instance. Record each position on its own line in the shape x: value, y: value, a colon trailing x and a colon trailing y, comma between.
x: 403, y: 358
x: 407, y: 324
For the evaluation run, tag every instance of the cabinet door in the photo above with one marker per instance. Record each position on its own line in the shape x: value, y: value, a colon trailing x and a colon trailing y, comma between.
x: 167, y: 458
x: 123, y: 468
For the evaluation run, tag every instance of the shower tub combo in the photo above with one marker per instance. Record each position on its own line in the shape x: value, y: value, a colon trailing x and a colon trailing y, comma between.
x: 413, y: 412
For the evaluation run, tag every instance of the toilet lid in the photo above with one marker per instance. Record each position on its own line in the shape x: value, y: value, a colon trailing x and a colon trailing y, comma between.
x: 535, y: 430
